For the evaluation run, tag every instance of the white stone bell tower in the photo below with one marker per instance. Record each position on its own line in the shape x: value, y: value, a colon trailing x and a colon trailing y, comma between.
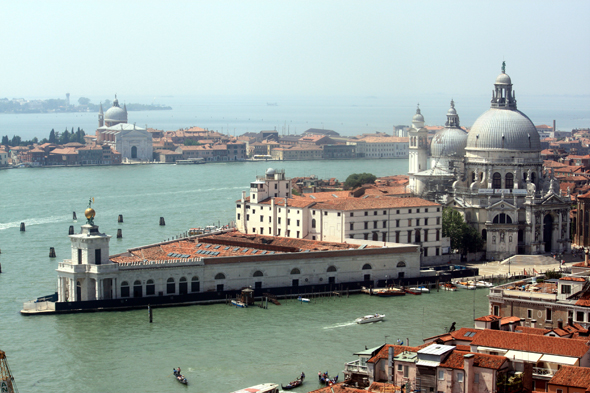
x: 418, y: 139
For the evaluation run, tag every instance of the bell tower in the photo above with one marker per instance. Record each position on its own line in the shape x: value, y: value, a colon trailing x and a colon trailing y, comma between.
x: 418, y: 138
x: 100, y: 117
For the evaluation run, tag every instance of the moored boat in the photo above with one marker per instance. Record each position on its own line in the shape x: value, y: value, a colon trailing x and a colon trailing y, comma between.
x: 370, y: 318
x: 413, y: 291
x: 465, y: 285
x: 447, y: 286
x: 420, y: 289
x: 390, y: 292
x: 239, y: 304
x: 303, y: 299
x: 483, y: 284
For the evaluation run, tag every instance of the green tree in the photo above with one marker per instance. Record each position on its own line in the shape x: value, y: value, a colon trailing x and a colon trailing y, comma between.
x: 191, y: 142
x: 15, y: 141
x: 65, y: 137
x: 52, y: 136
x: 83, y: 101
x: 358, y: 179
x: 5, y: 140
x: 463, y: 236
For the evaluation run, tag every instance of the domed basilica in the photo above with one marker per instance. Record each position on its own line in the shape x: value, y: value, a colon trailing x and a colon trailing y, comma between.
x: 134, y: 143
x: 494, y: 176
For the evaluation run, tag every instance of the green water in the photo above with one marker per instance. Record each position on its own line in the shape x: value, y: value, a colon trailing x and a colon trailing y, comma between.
x: 219, y: 348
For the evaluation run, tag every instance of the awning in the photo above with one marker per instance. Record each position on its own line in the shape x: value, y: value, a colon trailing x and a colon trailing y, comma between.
x: 559, y: 359
x: 427, y: 363
x: 524, y: 356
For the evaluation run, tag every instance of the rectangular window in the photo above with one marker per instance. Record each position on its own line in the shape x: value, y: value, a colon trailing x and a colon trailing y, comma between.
x: 298, y: 224
x: 297, y: 234
x: 238, y: 216
x: 409, y: 236
x: 437, y: 251
x: 406, y: 371
x: 338, y: 214
x: 437, y: 234
x: 397, y: 223
x: 566, y: 289
x: 97, y: 257
x: 375, y: 224
x: 425, y: 235
x: 261, y: 231
x: 426, y: 210
x: 417, y: 222
x: 269, y: 219
x: 375, y: 213
x: 410, y: 211
x: 313, y: 212
x: 438, y: 209
x: 247, y: 217
x: 79, y: 256
x: 400, y: 367
x: 253, y: 211
x: 397, y: 212
x: 425, y: 221
x: 352, y: 226
x: 261, y: 218
x: 409, y: 222
x: 460, y: 377
x: 496, y: 311
x: 441, y: 375
x: 279, y: 220
x: 397, y: 236
x: 476, y: 378
x: 548, y: 314
x: 288, y: 221
x: 366, y: 236
x: 325, y: 213
x: 417, y: 210
x: 366, y: 225
x: 437, y: 220
x: 239, y: 205
x: 279, y: 232
x: 580, y: 316
x: 366, y: 213
x: 288, y: 233
x: 384, y: 224
x: 529, y: 314
x: 425, y: 251
x: 276, y: 186
x: 352, y: 214
x: 384, y: 212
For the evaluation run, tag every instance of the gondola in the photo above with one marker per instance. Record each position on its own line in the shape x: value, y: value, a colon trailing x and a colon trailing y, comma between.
x: 296, y: 383
x: 179, y: 377
x: 325, y: 379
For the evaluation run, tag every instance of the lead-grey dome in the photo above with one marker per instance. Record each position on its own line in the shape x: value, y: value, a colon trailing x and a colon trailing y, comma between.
x: 503, y: 129
x: 449, y: 142
x: 503, y: 79
x: 115, y: 113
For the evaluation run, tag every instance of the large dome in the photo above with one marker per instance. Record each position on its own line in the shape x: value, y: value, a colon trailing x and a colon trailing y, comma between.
x: 503, y: 129
x: 449, y: 142
x: 116, y: 113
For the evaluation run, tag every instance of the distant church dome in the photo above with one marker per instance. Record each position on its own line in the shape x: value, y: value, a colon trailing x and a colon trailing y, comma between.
x: 503, y: 127
x: 116, y: 114
x: 451, y: 140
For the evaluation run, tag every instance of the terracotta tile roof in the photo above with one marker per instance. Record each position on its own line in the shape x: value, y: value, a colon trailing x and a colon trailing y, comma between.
x: 397, y: 349
x: 456, y: 360
x: 237, y: 244
x: 570, y: 278
x: 465, y: 334
x: 380, y: 387
x: 296, y: 201
x: 531, y: 330
x: 507, y: 320
x: 373, y: 202
x: 338, y: 388
x: 464, y: 348
x: 530, y: 343
x: 487, y: 318
x: 584, y: 300
x: 578, y: 377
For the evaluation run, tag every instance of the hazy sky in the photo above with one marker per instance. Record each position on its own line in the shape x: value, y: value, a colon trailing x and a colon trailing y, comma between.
x: 291, y: 47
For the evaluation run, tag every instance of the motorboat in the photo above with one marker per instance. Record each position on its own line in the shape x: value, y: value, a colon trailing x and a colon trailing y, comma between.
x: 303, y: 299
x: 413, y: 291
x: 447, y: 286
x: 465, y: 285
x: 239, y: 304
x: 370, y: 318
x: 420, y: 289
x: 483, y: 284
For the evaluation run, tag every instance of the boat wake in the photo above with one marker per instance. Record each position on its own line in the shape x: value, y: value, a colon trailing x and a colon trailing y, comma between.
x: 339, y: 325
x: 34, y: 221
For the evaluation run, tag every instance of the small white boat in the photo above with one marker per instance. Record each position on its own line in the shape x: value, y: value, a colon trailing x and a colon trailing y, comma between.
x: 370, y: 318
x: 483, y: 284
x: 420, y: 289
x: 449, y: 287
x: 239, y: 304
x: 303, y: 299
x: 465, y: 285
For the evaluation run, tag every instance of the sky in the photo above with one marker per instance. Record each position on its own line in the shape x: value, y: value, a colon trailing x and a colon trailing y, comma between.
x: 291, y: 48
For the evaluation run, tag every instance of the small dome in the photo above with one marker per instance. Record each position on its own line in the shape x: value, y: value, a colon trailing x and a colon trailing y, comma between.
x: 270, y: 172
x: 449, y: 142
x: 452, y: 111
x: 418, y: 117
x: 503, y: 79
x: 503, y: 129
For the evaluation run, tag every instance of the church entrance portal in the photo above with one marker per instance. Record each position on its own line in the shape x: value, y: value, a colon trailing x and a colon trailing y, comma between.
x: 134, y: 152
x: 547, y: 231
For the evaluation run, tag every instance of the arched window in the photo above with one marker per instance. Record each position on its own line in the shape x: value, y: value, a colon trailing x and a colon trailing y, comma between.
x: 150, y: 288
x: 532, y: 177
x: 134, y: 152
x: 366, y: 266
x: 220, y: 276
x: 401, y: 264
x: 137, y: 289
x: 124, y: 289
x: 257, y: 273
x: 417, y: 236
x: 472, y: 177
x: 509, y: 180
x: 170, y: 286
x: 502, y: 219
x: 195, y: 285
x: 496, y: 181
x: 331, y: 269
x: 182, y: 286
x: 524, y: 176
x: 295, y: 271
x: 313, y: 222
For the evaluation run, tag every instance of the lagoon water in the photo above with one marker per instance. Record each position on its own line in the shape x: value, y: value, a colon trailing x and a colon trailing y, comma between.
x: 219, y: 348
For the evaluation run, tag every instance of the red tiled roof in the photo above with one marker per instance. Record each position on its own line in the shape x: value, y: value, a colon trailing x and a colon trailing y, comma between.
x: 531, y: 330
x: 530, y: 343
x: 456, y: 360
x: 570, y: 278
x: 578, y: 377
x: 377, y: 202
x: 507, y: 320
x: 338, y: 388
x: 461, y: 334
x: 487, y: 318
x: 397, y: 349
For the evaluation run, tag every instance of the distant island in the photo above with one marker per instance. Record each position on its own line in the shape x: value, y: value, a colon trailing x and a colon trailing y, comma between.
x: 21, y: 105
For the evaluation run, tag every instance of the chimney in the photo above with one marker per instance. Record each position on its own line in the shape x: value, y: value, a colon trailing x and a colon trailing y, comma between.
x: 468, y: 369
x: 511, y: 325
x: 243, y: 196
x: 533, y: 323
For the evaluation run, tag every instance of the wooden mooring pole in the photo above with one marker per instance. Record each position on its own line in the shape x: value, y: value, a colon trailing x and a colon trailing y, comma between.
x: 150, y: 313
